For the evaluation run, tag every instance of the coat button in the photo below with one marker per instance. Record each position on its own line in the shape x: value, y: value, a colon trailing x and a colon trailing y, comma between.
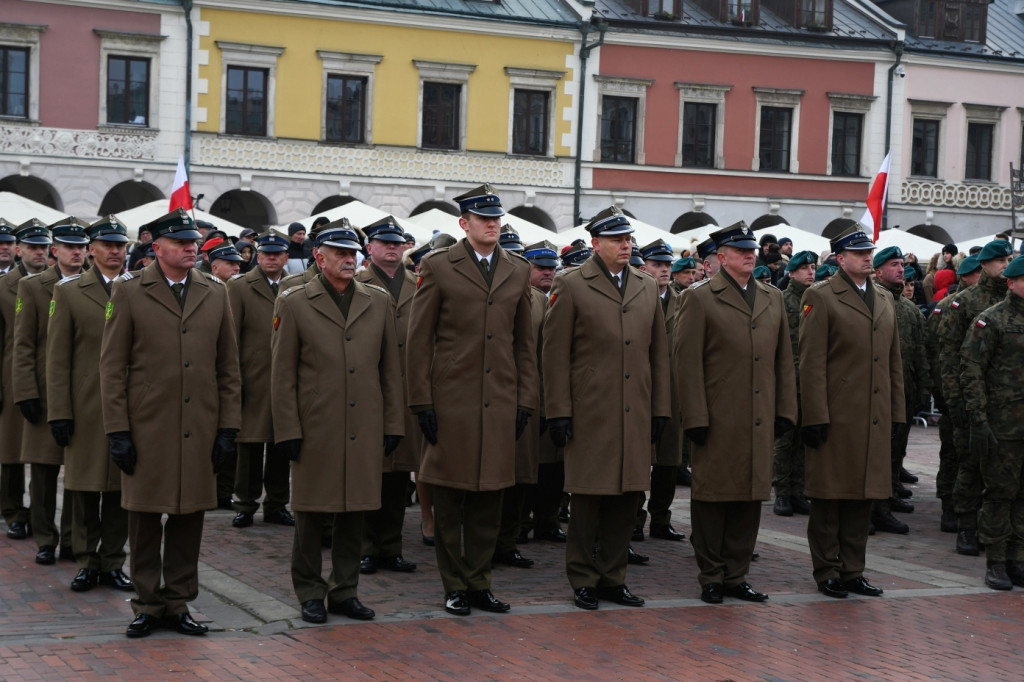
x: 876, y: 358
x: 487, y: 370
x: 187, y: 434
x: 489, y: 335
x: 487, y: 404
x: 623, y: 310
x: 756, y: 358
x: 398, y: 314
x: 348, y: 337
x: 757, y: 422
x: 874, y: 421
x: 186, y: 363
x: 401, y: 344
x: 876, y: 390
x: 627, y: 408
x: 187, y: 399
x: 490, y: 302
x: 757, y: 390
x: 352, y: 436
x: 184, y: 331
x: 627, y: 375
x: 627, y: 342
x: 351, y: 370
x: 753, y: 326
x: 351, y: 403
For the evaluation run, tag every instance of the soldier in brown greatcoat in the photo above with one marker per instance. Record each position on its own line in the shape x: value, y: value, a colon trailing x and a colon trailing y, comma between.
x: 252, y: 297
x: 171, y: 419
x: 33, y: 241
x: 38, y: 449
x: 334, y: 370
x: 99, y: 527
x: 472, y: 376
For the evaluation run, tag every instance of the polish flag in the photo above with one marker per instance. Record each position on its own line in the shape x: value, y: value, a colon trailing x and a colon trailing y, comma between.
x: 876, y: 199
x: 180, y: 195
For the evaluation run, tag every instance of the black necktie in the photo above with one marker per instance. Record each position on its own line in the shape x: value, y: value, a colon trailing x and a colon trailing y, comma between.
x: 486, y: 265
x: 275, y: 287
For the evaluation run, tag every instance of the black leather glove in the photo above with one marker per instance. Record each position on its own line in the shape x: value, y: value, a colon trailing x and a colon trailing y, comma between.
x: 428, y: 425
x: 223, y: 449
x: 658, y: 425
x: 697, y: 435
x: 982, y: 439
x: 122, y: 451
x: 897, y: 430
x: 290, y: 449
x: 543, y: 425
x: 522, y: 418
x: 958, y: 415
x: 782, y: 426
x: 815, y: 435
x: 31, y: 409
x: 62, y: 430
x: 391, y: 444
x: 560, y: 430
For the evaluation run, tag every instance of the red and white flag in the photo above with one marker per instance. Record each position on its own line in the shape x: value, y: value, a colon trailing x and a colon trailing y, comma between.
x: 872, y: 219
x: 180, y: 195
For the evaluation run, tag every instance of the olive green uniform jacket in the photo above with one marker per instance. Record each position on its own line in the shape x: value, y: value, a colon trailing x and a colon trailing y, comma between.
x: 252, y: 309
x: 668, y: 451
x: 10, y: 419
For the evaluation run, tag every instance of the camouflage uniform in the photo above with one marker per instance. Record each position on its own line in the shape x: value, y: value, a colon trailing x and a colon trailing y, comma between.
x: 946, y: 477
x: 788, y: 456
x: 991, y: 356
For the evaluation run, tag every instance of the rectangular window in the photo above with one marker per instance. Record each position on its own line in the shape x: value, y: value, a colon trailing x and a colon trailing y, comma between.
x: 979, y: 151
x: 699, y: 134
x: 530, y: 122
x: 846, y: 132
x: 128, y: 90
x: 246, y: 109
x: 928, y: 20
x: 973, y: 16
x: 924, y: 155
x: 813, y: 14
x: 618, y: 129
x: 776, y: 131
x: 14, y: 82
x: 441, y: 115
x: 346, y: 109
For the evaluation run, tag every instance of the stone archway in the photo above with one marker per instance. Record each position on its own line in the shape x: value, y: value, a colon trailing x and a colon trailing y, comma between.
x: 535, y: 216
x: 128, y: 194
x: 330, y: 202
x: 837, y: 227
x: 445, y: 206
x: 767, y: 220
x: 934, y: 232
x: 245, y: 208
x: 36, y: 189
x: 691, y: 221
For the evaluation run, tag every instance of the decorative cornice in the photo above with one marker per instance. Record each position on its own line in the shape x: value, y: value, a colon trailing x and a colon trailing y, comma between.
x: 135, y: 145
x: 980, y: 196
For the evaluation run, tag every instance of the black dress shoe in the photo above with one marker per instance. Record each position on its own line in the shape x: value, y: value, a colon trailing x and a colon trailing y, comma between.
x: 684, y: 477
x: 800, y: 503
x: 996, y: 577
x: 638, y: 534
x: 711, y: 593
x: 745, y: 592
x: 755, y: 556
x: 666, y: 532
x: 225, y: 503
x: 367, y: 565
x: 885, y: 522
x: 353, y: 608
x: 184, y: 623
x: 242, y: 520
x: 485, y: 601
x: 118, y: 580
x: 282, y: 517
x: 554, y: 535
x: 907, y: 477
x: 17, y: 530
x: 637, y: 559
x: 966, y: 542
x: 142, y: 626
x: 66, y: 554
x: 900, y: 506
x: 428, y: 541
x: 860, y: 585
x: 903, y: 492
x: 1015, y: 572
x: 782, y: 506
x: 86, y: 579
x: 513, y: 558
x: 585, y: 598
x: 456, y: 603
x: 313, y: 611
x: 620, y: 594
x: 46, y: 555
x: 833, y: 587
x: 397, y: 564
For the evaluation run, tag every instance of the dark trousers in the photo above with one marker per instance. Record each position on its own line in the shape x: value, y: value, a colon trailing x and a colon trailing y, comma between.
x: 307, y: 557
x: 946, y: 478
x: 604, y: 521
x: 837, y: 533
x: 99, y: 530
x: 12, y: 493
x: 663, y: 491
x: 382, y: 528
x: 788, y: 464
x: 512, y: 503
x: 723, y: 536
x: 178, y: 565
x: 43, y: 507
x: 967, y: 489
x: 252, y: 477
x: 466, y: 526
x: 543, y: 499
x: 1001, y: 519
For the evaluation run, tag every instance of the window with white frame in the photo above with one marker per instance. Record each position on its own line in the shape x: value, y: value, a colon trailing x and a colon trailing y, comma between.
x: 19, y: 71
x: 777, y: 130
x: 532, y: 107
x: 442, y: 104
x: 129, y: 63
x: 248, y: 87
x: 926, y: 149
x: 701, y: 125
x: 849, y: 119
x: 620, y: 119
x: 347, y: 96
x: 982, y: 133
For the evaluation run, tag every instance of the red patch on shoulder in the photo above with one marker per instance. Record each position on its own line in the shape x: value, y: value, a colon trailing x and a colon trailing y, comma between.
x: 807, y: 309
x: 277, y: 322
x: 419, y: 281
x: 551, y: 299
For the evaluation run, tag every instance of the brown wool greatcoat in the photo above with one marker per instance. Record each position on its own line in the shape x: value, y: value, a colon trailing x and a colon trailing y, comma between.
x: 471, y: 355
x: 529, y: 446
x: 170, y: 377
x: 851, y: 378
x: 10, y: 419
x: 29, y: 363
x: 606, y: 366
x: 252, y: 308
x: 407, y: 456
x: 740, y: 376
x: 336, y: 384
x: 669, y: 449
x: 547, y: 453
x: 73, y: 339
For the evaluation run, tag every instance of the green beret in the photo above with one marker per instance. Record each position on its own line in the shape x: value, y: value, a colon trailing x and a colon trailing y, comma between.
x: 824, y: 272
x: 762, y: 272
x: 968, y: 265
x: 798, y: 260
x: 1015, y: 268
x: 684, y: 264
x: 885, y: 255
x: 909, y: 274
x: 997, y: 248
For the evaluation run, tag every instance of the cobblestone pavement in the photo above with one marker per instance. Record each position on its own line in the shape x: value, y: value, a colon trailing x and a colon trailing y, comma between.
x: 936, y: 620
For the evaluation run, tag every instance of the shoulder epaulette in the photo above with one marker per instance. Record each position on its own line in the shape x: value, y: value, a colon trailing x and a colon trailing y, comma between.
x: 125, y: 276
x: 434, y: 252
x: 72, y: 278
x: 820, y: 284
x: 212, y: 278
x: 291, y: 290
x: 379, y: 288
x: 699, y: 284
x: 238, y: 276
x: 33, y: 274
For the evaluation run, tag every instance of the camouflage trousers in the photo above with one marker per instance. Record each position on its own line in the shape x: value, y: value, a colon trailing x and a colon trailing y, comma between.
x: 788, y: 464
x: 967, y: 489
x: 1001, y: 520
x: 946, y: 478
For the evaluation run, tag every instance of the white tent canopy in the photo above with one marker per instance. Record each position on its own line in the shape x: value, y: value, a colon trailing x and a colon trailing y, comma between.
x: 644, y: 234
x: 16, y: 210
x: 134, y: 218
x: 529, y: 233
x: 802, y: 239
x: 361, y: 215
x: 909, y: 243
